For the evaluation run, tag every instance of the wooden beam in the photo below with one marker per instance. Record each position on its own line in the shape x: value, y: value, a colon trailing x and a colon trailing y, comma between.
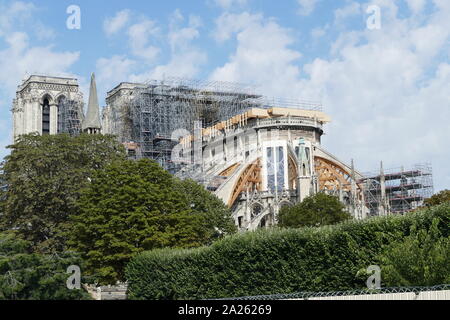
x: 250, y: 179
x: 229, y: 171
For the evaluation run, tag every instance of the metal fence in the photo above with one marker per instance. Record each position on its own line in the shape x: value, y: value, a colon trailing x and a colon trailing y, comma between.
x: 441, y: 292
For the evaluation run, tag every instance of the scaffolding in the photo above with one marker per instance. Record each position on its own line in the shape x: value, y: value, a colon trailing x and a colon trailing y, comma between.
x: 70, y: 117
x: 161, y: 107
x: 398, y: 190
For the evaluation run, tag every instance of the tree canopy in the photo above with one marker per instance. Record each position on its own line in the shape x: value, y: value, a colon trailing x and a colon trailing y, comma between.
x: 439, y: 198
x: 314, y: 211
x: 26, y: 275
x: 216, y: 217
x: 132, y: 206
x: 42, y: 179
x: 420, y: 259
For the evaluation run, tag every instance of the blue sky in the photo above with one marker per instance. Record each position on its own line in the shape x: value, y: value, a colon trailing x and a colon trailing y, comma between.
x: 387, y: 89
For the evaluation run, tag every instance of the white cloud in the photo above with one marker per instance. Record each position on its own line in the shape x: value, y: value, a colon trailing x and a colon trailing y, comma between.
x: 416, y: 5
x: 388, y: 99
x: 181, y: 36
x: 20, y: 58
x: 185, y: 59
x: 306, y: 7
x: 140, y: 35
x: 227, y: 4
x: 113, y: 25
x: 382, y: 95
x: 13, y: 15
x: 185, y: 65
x: 228, y: 24
x: 262, y: 56
x: 351, y: 9
x: 20, y: 16
x: 111, y: 71
x: 43, y: 32
x: 319, y: 32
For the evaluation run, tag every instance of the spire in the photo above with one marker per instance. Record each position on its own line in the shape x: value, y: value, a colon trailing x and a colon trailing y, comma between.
x: 91, y: 123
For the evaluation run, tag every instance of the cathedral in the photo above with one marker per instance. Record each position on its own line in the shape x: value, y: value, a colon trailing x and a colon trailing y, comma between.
x: 256, y: 154
x: 52, y: 105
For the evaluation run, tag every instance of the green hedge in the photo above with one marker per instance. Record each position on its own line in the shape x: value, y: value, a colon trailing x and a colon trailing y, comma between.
x: 275, y: 261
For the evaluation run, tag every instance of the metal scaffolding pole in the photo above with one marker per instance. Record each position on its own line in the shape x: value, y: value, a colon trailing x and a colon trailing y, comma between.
x: 404, y: 189
x: 70, y: 116
x: 159, y: 108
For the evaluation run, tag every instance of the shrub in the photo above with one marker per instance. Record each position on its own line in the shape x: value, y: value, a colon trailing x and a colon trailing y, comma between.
x: 32, y: 276
x: 420, y: 259
x: 276, y: 261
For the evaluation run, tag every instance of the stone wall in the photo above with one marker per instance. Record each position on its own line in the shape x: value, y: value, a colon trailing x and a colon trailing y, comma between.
x: 117, y: 292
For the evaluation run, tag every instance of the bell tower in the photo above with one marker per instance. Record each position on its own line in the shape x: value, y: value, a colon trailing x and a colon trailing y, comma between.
x: 47, y: 105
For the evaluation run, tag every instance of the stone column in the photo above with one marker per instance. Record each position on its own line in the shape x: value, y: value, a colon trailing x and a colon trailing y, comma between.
x: 19, y: 119
x: 53, y: 118
x: 28, y: 107
x: 37, y: 118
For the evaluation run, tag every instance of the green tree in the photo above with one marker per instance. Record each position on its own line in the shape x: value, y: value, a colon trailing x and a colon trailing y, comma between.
x: 439, y: 198
x: 43, y: 177
x: 420, y: 259
x: 3, y: 189
x: 25, y: 275
x: 216, y: 216
x: 314, y: 211
x: 132, y: 206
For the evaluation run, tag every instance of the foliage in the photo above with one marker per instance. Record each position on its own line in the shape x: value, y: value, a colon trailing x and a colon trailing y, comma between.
x: 420, y: 259
x: 132, y: 206
x: 278, y: 261
x: 437, y: 199
x: 215, y: 214
x: 314, y: 211
x: 25, y: 275
x: 43, y: 177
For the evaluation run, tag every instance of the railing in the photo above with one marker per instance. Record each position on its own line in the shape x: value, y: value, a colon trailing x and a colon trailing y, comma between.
x: 367, y: 293
x: 289, y: 122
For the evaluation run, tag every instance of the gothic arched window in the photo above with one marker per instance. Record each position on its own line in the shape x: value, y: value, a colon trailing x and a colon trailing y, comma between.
x: 46, y: 117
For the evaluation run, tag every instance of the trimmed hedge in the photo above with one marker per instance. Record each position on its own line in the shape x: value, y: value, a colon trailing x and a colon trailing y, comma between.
x: 275, y: 261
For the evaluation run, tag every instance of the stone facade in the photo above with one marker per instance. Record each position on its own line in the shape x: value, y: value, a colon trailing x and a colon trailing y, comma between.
x: 117, y: 292
x: 115, y: 118
x: 37, y: 93
x: 260, y: 164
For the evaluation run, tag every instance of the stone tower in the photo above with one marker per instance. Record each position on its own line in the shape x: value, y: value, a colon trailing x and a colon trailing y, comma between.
x: 47, y: 105
x: 91, y: 123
